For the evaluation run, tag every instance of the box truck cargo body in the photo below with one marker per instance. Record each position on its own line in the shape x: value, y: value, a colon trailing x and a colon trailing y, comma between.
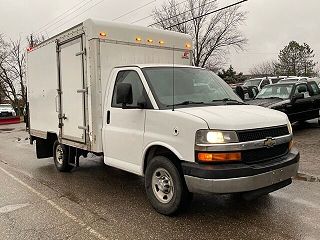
x: 67, y: 75
x: 130, y: 94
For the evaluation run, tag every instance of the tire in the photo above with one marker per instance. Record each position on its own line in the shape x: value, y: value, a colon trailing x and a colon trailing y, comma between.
x: 165, y: 186
x: 60, y: 157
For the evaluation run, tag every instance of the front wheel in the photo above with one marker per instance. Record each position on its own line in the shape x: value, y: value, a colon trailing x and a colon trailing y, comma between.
x: 60, y: 157
x: 165, y: 186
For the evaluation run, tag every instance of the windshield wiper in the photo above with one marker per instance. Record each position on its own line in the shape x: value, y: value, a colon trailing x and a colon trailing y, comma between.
x: 185, y: 103
x: 228, y: 100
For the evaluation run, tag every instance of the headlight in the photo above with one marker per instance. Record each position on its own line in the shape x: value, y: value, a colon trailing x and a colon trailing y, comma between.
x: 216, y: 137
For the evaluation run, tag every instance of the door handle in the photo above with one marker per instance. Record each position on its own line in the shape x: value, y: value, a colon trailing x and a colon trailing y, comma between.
x: 108, y: 117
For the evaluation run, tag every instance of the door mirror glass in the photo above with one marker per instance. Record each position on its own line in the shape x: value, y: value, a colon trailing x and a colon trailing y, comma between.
x: 124, y: 94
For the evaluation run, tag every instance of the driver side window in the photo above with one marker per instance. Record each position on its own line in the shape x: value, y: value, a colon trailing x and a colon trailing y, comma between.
x: 138, y: 92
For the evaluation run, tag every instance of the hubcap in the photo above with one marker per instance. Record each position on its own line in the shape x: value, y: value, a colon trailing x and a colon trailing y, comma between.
x: 59, y: 154
x: 162, y: 185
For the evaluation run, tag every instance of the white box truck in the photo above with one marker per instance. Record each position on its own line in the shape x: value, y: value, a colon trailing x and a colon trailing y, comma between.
x: 130, y: 94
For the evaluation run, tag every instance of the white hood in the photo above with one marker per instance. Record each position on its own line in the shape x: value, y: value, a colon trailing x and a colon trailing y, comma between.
x: 237, y: 117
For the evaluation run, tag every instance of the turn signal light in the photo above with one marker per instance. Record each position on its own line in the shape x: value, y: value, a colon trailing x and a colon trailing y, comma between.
x: 219, y: 157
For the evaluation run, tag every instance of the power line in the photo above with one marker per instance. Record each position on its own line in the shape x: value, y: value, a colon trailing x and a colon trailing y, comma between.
x: 181, y: 13
x: 64, y: 17
x: 134, y: 10
x: 53, y: 21
x: 151, y: 15
x: 76, y: 16
x: 208, y: 13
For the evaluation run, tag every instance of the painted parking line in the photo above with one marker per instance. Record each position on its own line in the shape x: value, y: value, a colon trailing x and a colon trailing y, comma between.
x: 57, y: 207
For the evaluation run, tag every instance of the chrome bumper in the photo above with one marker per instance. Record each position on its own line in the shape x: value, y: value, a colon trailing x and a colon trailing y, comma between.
x: 241, y: 184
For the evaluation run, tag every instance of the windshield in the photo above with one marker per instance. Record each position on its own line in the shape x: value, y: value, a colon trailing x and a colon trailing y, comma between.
x: 251, y: 82
x: 191, y: 86
x: 275, y: 91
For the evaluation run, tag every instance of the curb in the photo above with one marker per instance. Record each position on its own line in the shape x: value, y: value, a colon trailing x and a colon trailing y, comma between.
x: 307, y: 177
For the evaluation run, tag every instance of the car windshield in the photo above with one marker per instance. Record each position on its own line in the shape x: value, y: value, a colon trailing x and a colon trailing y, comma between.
x: 275, y: 91
x: 251, y: 82
x: 192, y: 86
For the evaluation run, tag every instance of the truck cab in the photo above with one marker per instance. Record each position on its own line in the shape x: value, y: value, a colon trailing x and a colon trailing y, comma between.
x: 185, y: 131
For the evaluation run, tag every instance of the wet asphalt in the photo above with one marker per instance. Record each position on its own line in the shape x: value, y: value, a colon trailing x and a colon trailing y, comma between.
x: 100, y: 202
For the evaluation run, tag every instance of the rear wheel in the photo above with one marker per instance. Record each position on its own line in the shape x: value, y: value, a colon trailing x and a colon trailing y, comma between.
x: 165, y: 186
x: 60, y: 157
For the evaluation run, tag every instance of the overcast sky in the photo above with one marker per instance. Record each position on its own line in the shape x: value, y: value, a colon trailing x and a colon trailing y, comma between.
x: 270, y: 24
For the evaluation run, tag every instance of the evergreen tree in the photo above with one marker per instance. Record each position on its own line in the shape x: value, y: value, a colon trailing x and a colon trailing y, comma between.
x: 296, y: 59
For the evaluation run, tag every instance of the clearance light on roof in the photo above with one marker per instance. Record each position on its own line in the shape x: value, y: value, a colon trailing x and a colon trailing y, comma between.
x: 188, y: 45
x: 161, y: 42
x: 103, y: 34
x: 138, y: 39
x: 150, y: 40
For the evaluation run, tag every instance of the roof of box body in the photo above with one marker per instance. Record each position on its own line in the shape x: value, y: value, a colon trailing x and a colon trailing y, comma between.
x: 124, y: 33
x: 130, y: 33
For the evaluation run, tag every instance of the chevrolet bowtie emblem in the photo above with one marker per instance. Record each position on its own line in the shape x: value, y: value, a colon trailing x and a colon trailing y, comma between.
x: 269, y: 142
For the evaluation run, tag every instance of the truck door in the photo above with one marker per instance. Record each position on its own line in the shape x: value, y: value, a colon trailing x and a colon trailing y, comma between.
x: 302, y: 108
x: 72, y: 90
x: 123, y: 129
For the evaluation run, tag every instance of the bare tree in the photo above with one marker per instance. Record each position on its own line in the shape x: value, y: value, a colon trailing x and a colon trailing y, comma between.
x: 213, y: 34
x: 12, y: 73
x: 267, y: 68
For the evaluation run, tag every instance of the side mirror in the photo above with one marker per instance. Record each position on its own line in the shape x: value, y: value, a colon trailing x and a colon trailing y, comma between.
x: 124, y: 94
x: 297, y: 96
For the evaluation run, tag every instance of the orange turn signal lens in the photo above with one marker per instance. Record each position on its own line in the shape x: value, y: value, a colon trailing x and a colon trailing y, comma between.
x: 219, y: 157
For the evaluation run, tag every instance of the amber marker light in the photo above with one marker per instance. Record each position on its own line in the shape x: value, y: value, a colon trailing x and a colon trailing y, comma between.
x: 161, y: 42
x: 188, y: 45
x: 138, y: 39
x: 219, y: 157
x: 103, y: 34
x: 150, y: 40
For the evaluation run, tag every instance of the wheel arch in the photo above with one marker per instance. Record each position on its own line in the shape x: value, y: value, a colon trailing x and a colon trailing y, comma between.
x: 160, y: 149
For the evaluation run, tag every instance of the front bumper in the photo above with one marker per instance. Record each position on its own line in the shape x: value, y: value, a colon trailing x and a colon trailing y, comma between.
x: 234, y: 178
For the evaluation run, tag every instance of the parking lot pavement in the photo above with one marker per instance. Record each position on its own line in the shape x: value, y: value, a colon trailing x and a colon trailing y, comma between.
x: 307, y: 140
x: 99, y: 202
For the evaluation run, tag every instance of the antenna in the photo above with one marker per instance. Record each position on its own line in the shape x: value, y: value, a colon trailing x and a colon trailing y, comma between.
x: 173, y: 78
